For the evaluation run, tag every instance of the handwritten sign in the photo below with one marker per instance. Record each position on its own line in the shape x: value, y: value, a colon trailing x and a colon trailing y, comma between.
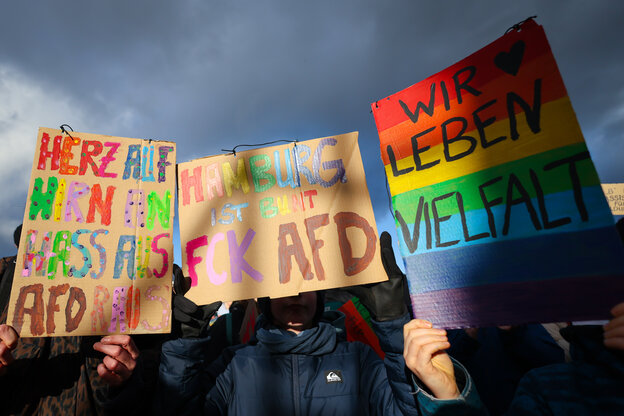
x: 614, y: 192
x: 96, y: 250
x: 498, y: 206
x: 277, y: 221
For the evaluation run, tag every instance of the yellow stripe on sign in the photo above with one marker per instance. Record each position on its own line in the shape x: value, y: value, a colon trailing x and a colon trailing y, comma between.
x: 558, y: 127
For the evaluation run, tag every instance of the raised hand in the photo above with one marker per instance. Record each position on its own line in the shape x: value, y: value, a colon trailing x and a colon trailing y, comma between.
x: 384, y: 300
x: 425, y: 357
x: 189, y: 319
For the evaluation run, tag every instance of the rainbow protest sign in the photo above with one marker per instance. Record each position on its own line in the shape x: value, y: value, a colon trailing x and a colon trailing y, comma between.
x: 96, y: 251
x: 498, y: 206
x: 277, y: 221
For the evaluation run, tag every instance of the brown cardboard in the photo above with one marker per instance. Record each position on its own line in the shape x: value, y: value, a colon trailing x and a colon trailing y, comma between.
x: 614, y: 192
x: 96, y: 250
x: 234, y: 207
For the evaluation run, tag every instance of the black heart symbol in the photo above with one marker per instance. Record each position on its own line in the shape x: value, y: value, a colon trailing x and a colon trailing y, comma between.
x: 510, y: 61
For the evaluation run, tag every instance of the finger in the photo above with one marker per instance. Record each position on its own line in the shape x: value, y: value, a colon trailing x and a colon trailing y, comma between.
x: 417, y: 345
x: 618, y: 309
x: 8, y: 336
x: 6, y: 357
x: 210, y: 309
x: 181, y: 283
x: 416, y: 323
x: 108, y: 376
x: 614, y: 323
x: 615, y: 343
x: 427, y: 351
x: 124, y: 341
x: 117, y: 353
x: 388, y: 259
x: 614, y: 333
x: 117, y: 367
x: 412, y: 329
x: 419, y: 362
x: 420, y: 336
x: 185, y: 305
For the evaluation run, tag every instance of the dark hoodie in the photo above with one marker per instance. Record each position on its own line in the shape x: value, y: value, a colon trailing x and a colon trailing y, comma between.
x: 591, y: 384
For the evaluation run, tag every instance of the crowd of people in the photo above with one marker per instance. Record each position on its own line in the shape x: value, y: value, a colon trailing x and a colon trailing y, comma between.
x: 299, y: 362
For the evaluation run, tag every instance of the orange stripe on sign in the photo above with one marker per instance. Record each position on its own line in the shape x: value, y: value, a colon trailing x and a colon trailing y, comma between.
x: 483, y: 107
x: 388, y: 111
x: 558, y: 127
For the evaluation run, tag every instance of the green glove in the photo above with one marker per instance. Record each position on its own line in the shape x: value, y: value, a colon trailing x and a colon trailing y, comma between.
x: 384, y: 300
x: 189, y: 320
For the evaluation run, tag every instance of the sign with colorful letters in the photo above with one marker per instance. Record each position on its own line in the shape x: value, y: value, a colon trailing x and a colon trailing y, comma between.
x: 614, y: 192
x: 96, y: 250
x: 498, y: 207
x: 277, y: 221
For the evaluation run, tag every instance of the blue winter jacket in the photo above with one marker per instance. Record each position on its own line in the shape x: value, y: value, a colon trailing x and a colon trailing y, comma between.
x: 314, y: 373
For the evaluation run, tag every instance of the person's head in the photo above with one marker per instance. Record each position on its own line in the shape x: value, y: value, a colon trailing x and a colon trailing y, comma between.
x: 17, y: 234
x: 294, y: 313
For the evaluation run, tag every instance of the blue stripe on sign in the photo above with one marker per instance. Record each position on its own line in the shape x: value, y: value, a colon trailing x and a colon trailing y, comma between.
x: 549, y: 256
x: 558, y: 205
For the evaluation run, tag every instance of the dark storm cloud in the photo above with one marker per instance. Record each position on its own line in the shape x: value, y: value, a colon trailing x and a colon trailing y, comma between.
x: 211, y: 74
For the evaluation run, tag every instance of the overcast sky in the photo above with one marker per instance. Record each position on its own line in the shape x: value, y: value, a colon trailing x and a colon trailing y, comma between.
x: 209, y: 74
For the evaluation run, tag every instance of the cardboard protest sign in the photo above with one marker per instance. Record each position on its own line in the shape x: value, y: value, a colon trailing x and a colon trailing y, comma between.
x: 498, y: 206
x: 277, y: 221
x: 614, y: 192
x: 96, y: 250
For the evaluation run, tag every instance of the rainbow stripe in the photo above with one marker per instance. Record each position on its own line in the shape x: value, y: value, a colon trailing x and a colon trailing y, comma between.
x: 495, y: 194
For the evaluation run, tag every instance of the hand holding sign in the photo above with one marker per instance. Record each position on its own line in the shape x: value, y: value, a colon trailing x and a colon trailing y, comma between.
x: 425, y: 357
x: 189, y: 320
x: 8, y: 342
x: 385, y: 300
x: 120, y: 360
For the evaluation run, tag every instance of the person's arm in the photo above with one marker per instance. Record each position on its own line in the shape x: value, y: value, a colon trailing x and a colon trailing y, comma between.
x: 401, y: 340
x: 122, y: 369
x: 184, y: 360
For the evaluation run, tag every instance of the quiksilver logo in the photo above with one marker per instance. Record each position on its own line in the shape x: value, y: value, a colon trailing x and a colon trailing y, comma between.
x: 333, y: 376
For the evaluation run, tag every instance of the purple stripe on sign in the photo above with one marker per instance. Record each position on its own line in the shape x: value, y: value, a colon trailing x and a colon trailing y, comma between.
x: 556, y: 300
x: 550, y: 256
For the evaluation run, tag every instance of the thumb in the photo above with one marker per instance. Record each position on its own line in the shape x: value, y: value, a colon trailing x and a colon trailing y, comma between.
x: 210, y: 309
x: 181, y: 283
x: 442, y: 362
x: 388, y: 258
